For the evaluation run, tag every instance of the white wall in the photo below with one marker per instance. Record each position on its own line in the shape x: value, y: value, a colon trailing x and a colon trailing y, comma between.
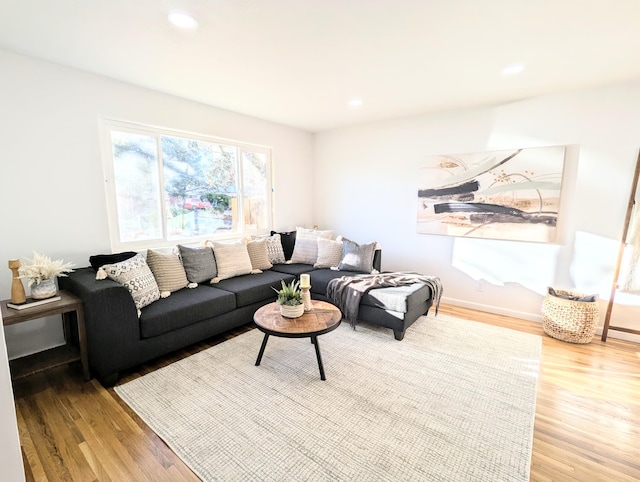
x: 51, y: 182
x: 365, y: 177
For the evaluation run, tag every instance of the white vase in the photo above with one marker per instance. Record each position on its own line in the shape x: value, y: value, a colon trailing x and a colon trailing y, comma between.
x: 45, y: 289
x: 291, y: 311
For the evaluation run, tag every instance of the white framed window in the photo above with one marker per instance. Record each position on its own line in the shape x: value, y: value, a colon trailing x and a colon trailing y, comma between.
x: 166, y: 187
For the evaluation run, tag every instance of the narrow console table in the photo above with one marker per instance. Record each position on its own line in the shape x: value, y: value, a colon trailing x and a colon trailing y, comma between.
x: 71, y: 309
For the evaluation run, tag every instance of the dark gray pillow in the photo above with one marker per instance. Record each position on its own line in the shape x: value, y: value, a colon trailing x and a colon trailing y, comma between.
x: 356, y: 257
x: 288, y: 241
x: 199, y: 263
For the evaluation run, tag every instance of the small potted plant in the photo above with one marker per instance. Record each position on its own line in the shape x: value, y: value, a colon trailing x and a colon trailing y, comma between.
x: 41, y: 272
x: 290, y: 299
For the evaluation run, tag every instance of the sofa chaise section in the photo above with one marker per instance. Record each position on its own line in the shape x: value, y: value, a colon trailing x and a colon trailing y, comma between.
x: 395, y: 307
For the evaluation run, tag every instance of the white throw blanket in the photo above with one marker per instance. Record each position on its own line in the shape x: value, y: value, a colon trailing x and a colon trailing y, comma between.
x: 347, y: 291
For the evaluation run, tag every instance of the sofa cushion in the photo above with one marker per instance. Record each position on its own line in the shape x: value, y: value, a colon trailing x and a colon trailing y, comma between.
x: 98, y: 260
x: 199, y: 263
x: 168, y: 272
x: 329, y: 253
x: 306, y: 247
x: 274, y: 248
x: 356, y: 257
x: 320, y: 279
x: 401, y: 299
x: 255, y: 288
x: 232, y: 259
x: 135, y: 275
x: 258, y: 254
x: 288, y: 241
x: 295, y: 269
x: 184, y: 308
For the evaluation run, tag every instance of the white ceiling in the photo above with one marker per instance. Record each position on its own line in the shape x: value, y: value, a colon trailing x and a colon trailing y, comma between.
x: 298, y: 62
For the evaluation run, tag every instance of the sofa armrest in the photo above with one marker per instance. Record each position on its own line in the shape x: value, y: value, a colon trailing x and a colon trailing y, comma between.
x: 111, y: 319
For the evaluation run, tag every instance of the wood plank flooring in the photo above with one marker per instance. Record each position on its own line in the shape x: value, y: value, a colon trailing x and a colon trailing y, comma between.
x: 587, y: 423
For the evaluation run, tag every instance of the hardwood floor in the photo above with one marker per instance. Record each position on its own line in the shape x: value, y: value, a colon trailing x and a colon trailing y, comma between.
x: 587, y: 423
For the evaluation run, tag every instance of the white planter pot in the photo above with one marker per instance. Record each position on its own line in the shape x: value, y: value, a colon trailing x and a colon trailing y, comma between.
x: 291, y: 311
x: 45, y: 289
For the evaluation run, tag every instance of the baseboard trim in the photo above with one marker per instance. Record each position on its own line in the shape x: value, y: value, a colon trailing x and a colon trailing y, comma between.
x: 493, y: 309
x: 619, y: 335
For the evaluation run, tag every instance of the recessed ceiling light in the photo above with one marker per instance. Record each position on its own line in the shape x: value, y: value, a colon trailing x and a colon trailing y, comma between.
x: 182, y: 20
x: 513, y: 69
x: 355, y: 102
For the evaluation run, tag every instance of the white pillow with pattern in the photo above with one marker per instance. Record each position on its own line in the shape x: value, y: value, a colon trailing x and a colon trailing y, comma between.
x: 135, y: 275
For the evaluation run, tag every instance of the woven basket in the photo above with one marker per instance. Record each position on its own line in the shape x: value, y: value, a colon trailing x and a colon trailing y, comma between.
x: 569, y: 320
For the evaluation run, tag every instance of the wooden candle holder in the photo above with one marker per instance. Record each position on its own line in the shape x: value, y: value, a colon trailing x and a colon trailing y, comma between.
x: 18, y: 295
x: 306, y: 298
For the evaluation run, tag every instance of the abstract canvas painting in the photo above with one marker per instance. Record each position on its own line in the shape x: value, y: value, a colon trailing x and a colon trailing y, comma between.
x: 511, y: 194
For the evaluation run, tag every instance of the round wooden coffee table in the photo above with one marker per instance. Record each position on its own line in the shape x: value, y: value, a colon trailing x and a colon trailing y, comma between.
x: 323, y: 318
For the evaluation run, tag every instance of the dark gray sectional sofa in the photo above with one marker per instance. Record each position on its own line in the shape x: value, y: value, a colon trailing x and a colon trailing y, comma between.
x: 119, y: 340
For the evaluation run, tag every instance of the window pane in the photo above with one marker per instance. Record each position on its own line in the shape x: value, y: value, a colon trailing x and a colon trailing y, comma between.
x: 170, y: 187
x: 254, y: 190
x: 200, y: 183
x: 222, y: 177
x: 137, y: 187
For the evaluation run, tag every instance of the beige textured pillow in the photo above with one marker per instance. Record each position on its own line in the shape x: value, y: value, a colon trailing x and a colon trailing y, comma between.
x: 232, y: 259
x: 329, y: 253
x: 258, y: 254
x: 168, y: 272
x: 306, y: 248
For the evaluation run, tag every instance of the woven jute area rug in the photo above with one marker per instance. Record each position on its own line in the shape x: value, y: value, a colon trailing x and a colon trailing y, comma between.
x: 454, y: 401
